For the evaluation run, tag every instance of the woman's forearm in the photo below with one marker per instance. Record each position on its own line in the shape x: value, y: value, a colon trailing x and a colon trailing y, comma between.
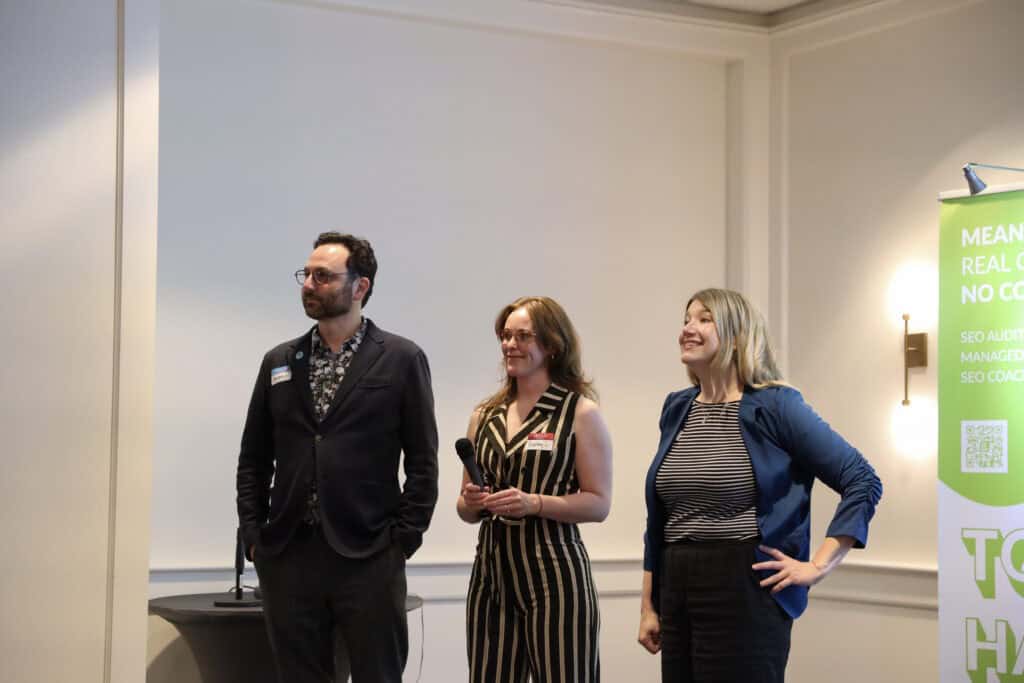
x: 830, y: 554
x: 574, y: 508
x: 646, y: 601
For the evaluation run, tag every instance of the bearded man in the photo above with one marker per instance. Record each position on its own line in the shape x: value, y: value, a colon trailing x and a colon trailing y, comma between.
x: 321, y: 511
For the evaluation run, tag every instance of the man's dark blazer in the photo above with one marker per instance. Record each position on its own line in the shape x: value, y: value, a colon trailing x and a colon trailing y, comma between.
x: 384, y: 407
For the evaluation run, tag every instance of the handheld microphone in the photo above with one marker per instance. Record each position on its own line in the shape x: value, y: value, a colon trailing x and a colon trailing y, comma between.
x: 464, y: 447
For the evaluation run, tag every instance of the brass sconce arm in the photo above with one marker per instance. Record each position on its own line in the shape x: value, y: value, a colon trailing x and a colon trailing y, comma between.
x: 915, y: 354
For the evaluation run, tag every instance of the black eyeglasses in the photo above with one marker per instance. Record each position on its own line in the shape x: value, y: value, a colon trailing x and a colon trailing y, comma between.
x: 521, y: 336
x: 321, y: 276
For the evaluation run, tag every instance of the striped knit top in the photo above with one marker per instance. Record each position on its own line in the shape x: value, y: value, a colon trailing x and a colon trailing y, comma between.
x: 706, y: 483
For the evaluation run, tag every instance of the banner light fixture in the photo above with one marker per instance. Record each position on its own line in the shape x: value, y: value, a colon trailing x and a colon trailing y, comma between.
x: 976, y: 184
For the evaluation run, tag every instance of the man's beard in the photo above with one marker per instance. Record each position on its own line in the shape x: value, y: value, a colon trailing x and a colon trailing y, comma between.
x: 319, y: 307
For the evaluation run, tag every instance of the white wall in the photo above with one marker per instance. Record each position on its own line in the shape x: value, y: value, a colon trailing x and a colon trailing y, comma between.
x: 883, y: 105
x: 876, y: 114
x: 62, y: 372
x: 76, y: 478
x: 483, y: 165
x: 487, y: 153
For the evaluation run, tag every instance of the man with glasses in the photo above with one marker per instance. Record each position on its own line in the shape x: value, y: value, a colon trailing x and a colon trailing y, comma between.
x: 320, y: 508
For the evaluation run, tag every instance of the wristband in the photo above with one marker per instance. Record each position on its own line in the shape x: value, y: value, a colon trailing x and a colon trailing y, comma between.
x: 540, y: 505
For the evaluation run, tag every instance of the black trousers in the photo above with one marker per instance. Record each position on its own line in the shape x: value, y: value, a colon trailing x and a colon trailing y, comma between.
x: 312, y: 596
x: 717, y: 624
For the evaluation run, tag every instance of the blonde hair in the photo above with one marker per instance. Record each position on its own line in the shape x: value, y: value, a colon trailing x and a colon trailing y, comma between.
x: 557, y: 336
x: 743, y: 338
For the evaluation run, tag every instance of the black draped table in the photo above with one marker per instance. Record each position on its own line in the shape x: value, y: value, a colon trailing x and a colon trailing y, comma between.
x: 230, y: 643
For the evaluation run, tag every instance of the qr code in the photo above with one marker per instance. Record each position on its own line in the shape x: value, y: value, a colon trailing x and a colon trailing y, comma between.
x: 984, y: 446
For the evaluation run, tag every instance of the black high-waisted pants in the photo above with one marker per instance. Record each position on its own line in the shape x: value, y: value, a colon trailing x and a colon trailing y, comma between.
x: 717, y: 624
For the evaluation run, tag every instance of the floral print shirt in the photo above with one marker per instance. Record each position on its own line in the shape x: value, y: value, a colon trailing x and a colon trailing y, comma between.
x: 326, y: 371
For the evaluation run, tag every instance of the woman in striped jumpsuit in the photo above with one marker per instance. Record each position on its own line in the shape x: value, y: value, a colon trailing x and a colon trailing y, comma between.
x: 545, y: 454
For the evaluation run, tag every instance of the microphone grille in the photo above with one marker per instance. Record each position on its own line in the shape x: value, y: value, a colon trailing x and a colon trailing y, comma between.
x: 464, y: 447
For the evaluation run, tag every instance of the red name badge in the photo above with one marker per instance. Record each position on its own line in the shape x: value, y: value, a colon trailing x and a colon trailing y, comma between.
x: 540, y: 441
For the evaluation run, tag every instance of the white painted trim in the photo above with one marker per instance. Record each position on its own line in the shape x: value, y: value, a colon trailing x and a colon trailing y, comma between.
x: 429, y: 566
x: 815, y: 11
x: 901, y: 585
x: 440, y: 565
x: 893, y: 567
x: 879, y: 600
x: 132, y: 435
x: 690, y: 14
x: 869, y: 18
x: 805, y: 15
x: 117, y: 333
x: 582, y: 21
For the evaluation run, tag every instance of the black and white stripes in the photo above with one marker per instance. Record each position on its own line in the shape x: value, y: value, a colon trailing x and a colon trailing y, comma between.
x: 706, y: 482
x: 532, y: 607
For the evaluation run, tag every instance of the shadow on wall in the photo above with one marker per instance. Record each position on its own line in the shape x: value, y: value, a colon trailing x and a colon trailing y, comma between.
x: 211, y: 653
x: 208, y: 653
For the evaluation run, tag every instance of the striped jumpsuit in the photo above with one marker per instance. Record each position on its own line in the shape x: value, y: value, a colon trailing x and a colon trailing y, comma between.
x: 532, y: 607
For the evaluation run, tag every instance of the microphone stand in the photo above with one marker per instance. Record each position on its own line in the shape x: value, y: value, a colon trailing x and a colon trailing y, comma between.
x: 239, y: 599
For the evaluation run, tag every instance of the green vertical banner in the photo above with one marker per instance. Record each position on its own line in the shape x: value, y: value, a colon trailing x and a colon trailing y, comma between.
x: 981, y: 438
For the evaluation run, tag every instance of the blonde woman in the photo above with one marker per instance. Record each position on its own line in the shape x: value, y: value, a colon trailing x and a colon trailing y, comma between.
x: 546, y: 459
x: 727, y: 561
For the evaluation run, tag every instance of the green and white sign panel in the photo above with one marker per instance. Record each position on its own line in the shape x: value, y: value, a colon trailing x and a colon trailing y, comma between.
x: 981, y: 438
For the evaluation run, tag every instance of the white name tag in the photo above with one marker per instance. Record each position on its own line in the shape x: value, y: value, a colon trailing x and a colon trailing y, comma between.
x: 540, y: 441
x: 281, y: 374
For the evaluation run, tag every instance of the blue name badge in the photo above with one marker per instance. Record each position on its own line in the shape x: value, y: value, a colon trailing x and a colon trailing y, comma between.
x: 281, y: 374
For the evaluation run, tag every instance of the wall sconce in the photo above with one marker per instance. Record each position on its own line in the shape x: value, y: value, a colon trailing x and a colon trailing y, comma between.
x: 915, y: 354
x: 976, y: 184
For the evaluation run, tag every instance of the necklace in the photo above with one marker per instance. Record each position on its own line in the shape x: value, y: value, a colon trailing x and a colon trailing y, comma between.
x: 717, y: 409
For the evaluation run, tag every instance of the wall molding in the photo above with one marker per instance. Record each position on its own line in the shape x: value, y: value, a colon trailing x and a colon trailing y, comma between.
x: 118, y: 304
x: 134, y: 304
x: 876, y: 584
x: 564, y: 19
x: 671, y: 11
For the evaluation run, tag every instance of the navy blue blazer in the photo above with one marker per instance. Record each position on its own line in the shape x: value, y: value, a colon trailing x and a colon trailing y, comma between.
x: 382, y: 414
x: 789, y: 446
